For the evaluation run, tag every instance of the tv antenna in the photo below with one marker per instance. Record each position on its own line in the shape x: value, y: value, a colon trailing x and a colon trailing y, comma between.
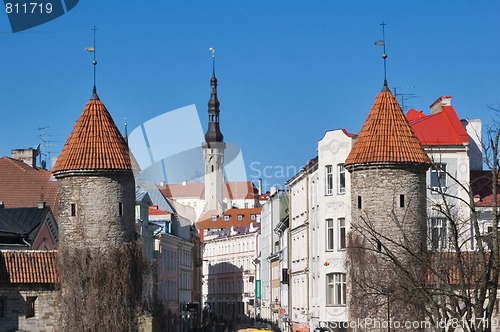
x: 404, y: 96
x: 45, y: 147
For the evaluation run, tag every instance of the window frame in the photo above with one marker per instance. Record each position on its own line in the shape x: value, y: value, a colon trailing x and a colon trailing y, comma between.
x: 341, y: 176
x: 328, y: 180
x: 439, y: 233
x: 336, y: 289
x: 341, y: 234
x: 438, y: 176
x: 330, y: 234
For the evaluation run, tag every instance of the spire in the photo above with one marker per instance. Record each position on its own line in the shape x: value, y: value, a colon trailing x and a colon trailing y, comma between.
x: 213, y: 133
x: 94, y: 63
x: 384, y: 55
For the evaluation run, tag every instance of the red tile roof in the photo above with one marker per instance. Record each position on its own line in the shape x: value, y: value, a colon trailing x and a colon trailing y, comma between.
x: 232, y: 190
x: 95, y: 142
x: 28, y: 267
x: 24, y: 186
x: 441, y: 128
x: 386, y: 136
x: 153, y: 210
x: 206, y: 221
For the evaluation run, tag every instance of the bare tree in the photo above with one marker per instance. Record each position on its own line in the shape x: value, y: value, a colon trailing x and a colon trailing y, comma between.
x: 453, y: 279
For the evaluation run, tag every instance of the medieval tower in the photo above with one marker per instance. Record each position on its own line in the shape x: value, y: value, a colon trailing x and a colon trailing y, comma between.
x: 388, y: 230
x: 96, y: 200
x: 213, y: 154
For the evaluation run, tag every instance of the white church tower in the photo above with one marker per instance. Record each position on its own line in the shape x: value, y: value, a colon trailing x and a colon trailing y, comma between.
x: 213, y: 154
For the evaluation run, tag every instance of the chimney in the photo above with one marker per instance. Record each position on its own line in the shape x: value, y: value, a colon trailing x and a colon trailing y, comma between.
x: 27, y: 156
x: 260, y: 187
x: 437, y: 106
x: 2, y: 204
x: 274, y: 189
x: 41, y: 205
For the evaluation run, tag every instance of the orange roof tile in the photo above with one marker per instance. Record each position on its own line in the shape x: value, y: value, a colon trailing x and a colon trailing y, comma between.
x: 24, y: 186
x: 231, y: 219
x: 386, y: 136
x: 95, y: 142
x: 28, y: 267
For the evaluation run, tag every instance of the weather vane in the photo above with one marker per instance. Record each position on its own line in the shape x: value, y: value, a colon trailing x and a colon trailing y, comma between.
x: 92, y: 49
x: 384, y: 55
x: 211, y: 49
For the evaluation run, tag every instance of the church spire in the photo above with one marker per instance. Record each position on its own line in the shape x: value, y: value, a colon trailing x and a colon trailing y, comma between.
x: 213, y: 133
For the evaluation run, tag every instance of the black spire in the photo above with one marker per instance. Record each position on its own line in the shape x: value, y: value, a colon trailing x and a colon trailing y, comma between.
x: 213, y: 133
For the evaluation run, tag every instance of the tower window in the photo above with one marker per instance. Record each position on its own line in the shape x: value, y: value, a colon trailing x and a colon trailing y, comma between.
x: 120, y: 209
x: 73, y: 209
x: 212, y: 168
x: 30, y: 306
x: 359, y: 202
x: 401, y: 200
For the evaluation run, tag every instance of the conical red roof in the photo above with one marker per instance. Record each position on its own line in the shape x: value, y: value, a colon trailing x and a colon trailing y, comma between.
x: 95, y: 142
x: 386, y: 136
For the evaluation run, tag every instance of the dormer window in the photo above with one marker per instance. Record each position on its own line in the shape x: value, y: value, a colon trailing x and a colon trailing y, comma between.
x: 252, y: 217
x: 214, y: 218
x: 240, y: 217
x: 226, y: 217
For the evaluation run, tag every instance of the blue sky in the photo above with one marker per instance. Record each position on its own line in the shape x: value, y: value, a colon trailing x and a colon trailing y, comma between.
x: 288, y: 70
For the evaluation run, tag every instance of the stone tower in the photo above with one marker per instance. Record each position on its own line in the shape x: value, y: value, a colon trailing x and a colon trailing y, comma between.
x: 213, y: 154
x: 96, y: 184
x: 388, y: 188
x: 99, y: 261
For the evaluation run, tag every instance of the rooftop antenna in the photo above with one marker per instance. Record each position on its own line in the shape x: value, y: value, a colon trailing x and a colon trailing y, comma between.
x: 404, y: 96
x: 94, y: 61
x: 213, y: 59
x: 45, y: 147
x: 384, y: 55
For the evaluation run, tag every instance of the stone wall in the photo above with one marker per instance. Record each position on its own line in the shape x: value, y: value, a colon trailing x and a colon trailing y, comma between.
x: 96, y: 211
x: 387, y: 243
x: 15, y: 309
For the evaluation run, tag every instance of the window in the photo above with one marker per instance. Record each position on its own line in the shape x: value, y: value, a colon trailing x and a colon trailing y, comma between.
x: 226, y: 217
x: 30, y: 306
x: 329, y: 180
x: 252, y: 217
x: 439, y: 236
x: 73, y: 209
x: 336, y: 289
x: 120, y: 209
x: 341, y: 179
x: 240, y: 217
x: 2, y: 305
x: 438, y: 176
x: 329, y: 234
x: 401, y: 200
x: 359, y: 202
x: 246, y: 205
x: 341, y: 225
x: 214, y: 218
